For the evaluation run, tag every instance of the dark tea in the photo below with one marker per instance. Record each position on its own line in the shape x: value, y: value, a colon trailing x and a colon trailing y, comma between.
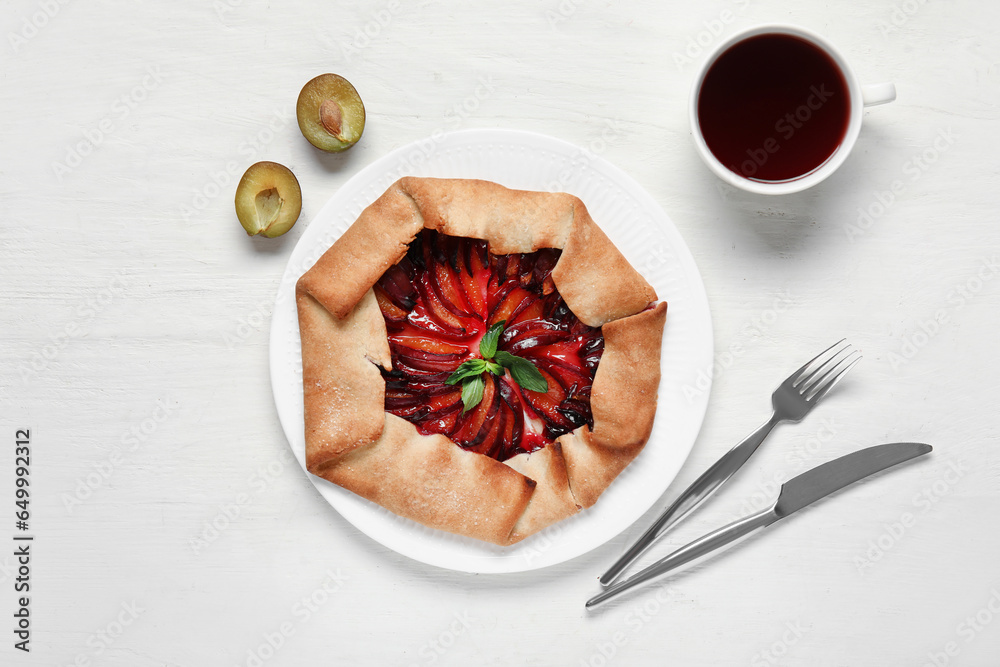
x: 773, y: 107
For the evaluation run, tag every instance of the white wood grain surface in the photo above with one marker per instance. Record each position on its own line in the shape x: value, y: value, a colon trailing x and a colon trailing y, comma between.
x: 135, y: 310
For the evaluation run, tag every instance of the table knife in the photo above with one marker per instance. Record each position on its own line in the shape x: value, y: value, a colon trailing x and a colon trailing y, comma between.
x: 795, y: 494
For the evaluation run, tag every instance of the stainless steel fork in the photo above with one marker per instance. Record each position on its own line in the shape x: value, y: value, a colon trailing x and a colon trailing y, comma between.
x: 791, y: 401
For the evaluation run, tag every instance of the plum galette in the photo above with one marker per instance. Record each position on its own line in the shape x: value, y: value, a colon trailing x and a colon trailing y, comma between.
x: 478, y: 359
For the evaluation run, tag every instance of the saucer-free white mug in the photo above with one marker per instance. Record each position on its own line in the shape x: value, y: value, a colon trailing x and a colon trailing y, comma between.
x: 860, y: 97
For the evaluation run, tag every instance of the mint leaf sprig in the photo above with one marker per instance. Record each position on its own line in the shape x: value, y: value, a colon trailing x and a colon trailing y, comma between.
x: 470, y: 373
x: 523, y: 371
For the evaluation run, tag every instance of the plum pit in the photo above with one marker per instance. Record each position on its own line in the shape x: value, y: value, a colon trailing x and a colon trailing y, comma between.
x: 330, y: 113
x: 268, y: 199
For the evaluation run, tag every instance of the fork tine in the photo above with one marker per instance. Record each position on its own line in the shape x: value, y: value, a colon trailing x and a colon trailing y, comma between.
x: 800, y: 374
x: 824, y: 386
x: 808, y: 383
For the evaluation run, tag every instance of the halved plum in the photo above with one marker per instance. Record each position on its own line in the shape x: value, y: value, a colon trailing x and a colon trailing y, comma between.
x: 392, y: 312
x: 576, y: 411
x: 399, y: 366
x: 441, y: 262
x: 536, y: 339
x: 436, y: 307
x: 396, y: 285
x: 421, y: 318
x: 425, y: 361
x: 492, y: 427
x: 544, y: 263
x: 474, y: 281
x: 268, y: 199
x: 472, y: 423
x: 514, y: 296
x: 429, y: 344
x: 443, y: 422
x: 330, y: 113
x: 570, y: 377
x: 492, y: 439
x: 514, y: 431
x: 531, y: 310
x: 449, y: 290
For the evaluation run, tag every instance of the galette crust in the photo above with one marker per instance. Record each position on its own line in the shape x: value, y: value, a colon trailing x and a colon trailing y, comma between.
x: 351, y: 440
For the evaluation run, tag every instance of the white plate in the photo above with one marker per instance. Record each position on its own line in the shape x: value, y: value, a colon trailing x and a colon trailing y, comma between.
x: 645, y: 235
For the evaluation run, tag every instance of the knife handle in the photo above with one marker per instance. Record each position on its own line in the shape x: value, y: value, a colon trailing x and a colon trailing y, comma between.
x: 693, y: 496
x: 690, y: 552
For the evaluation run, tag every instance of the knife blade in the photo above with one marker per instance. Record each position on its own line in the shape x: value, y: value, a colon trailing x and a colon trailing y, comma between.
x: 796, y: 493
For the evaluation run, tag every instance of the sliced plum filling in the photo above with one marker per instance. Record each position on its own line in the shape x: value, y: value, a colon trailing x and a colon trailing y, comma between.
x: 439, y: 300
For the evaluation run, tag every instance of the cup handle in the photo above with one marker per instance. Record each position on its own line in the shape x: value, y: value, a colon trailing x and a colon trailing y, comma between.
x: 878, y: 93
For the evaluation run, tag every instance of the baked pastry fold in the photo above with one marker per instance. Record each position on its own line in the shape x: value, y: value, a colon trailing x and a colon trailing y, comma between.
x: 351, y: 440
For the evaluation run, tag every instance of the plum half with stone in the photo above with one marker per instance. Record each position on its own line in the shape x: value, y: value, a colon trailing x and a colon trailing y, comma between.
x: 330, y: 112
x: 268, y: 199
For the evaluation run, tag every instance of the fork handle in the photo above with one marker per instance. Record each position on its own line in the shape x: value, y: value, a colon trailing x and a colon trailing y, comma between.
x: 695, y: 495
x: 690, y: 552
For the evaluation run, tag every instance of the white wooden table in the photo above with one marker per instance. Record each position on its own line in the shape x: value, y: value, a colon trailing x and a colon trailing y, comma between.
x: 135, y: 315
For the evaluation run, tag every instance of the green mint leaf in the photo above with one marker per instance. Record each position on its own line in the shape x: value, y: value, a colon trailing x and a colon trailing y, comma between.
x: 467, y: 369
x: 523, y: 372
x: 472, y: 392
x: 505, y: 359
x: 526, y: 375
x: 494, y: 368
x: 488, y: 343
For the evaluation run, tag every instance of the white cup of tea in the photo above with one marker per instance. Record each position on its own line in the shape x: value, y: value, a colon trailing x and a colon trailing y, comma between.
x: 776, y: 109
